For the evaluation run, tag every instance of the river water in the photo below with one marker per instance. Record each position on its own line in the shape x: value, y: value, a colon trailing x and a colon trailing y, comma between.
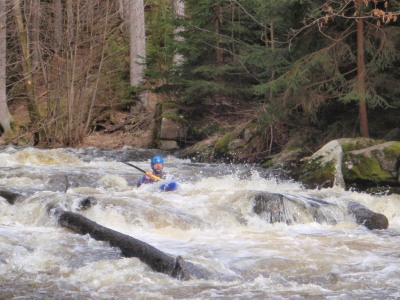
x: 209, y: 221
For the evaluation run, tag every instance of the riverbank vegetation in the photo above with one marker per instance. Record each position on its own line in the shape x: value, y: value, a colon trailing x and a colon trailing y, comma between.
x: 271, y: 74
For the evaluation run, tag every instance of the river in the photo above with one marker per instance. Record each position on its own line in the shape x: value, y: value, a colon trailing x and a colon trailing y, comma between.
x: 209, y: 221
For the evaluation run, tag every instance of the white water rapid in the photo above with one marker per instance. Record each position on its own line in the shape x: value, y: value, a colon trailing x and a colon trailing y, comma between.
x: 209, y: 221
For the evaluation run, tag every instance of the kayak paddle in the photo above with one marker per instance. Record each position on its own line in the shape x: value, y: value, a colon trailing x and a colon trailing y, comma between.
x: 141, y: 170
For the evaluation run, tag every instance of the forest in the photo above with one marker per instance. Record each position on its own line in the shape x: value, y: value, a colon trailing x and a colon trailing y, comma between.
x: 276, y: 73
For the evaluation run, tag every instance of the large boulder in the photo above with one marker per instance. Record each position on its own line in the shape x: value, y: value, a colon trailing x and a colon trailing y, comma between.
x: 323, y: 169
x: 377, y: 164
x: 361, y: 163
x: 292, y: 209
x: 171, y: 127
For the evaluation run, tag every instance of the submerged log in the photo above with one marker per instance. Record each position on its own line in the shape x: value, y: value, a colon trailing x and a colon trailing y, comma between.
x: 130, y: 247
x: 14, y: 195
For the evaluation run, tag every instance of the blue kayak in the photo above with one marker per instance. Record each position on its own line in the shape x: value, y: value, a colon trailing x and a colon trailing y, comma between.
x: 169, y: 186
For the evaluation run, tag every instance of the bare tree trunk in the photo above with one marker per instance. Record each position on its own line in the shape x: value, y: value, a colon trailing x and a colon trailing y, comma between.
x: 361, y: 78
x: 57, y: 25
x: 5, y: 116
x: 34, y: 29
x: 179, y: 12
x: 101, y: 62
x: 72, y: 69
x: 70, y: 21
x: 124, y: 9
x: 137, y: 41
x: 27, y: 68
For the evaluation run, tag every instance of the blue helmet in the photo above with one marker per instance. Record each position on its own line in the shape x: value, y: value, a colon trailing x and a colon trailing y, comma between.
x: 156, y: 160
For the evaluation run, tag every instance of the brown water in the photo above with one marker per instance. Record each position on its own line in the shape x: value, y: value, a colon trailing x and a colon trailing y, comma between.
x: 208, y: 221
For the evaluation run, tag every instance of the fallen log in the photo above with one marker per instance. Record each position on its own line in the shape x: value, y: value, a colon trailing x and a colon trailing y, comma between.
x: 13, y: 195
x: 130, y: 247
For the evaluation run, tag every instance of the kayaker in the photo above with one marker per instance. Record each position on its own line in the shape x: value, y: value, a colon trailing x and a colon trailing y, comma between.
x: 157, y: 165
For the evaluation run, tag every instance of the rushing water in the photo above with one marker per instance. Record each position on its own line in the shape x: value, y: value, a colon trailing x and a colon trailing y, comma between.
x: 209, y: 221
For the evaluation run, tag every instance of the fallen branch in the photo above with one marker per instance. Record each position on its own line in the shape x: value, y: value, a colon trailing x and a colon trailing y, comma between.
x: 126, y: 122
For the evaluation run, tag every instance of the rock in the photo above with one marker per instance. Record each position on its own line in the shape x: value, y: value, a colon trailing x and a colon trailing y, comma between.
x: 278, y: 208
x: 11, y: 197
x: 169, y: 145
x: 172, y: 130
x: 392, y: 135
x: 86, y: 203
x: 202, y: 151
x: 360, y: 163
x: 366, y: 217
x: 323, y: 169
x: 291, y: 209
x: 376, y: 164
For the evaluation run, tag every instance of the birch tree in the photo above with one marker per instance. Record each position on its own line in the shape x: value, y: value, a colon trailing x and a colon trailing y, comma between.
x: 5, y: 116
x: 179, y: 12
x: 137, y: 41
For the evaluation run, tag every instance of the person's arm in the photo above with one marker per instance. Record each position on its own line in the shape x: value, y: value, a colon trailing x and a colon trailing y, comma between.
x: 140, y: 182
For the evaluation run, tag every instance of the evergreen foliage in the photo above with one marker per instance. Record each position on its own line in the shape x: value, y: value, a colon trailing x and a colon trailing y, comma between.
x: 287, y: 59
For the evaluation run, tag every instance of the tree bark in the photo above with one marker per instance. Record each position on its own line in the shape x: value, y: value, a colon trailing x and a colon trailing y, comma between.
x: 35, y: 10
x: 179, y: 12
x: 137, y: 41
x: 5, y: 116
x: 57, y: 25
x: 27, y: 68
x: 361, y: 73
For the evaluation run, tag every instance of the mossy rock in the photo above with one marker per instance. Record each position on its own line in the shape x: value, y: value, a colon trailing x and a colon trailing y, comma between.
x: 202, y: 151
x: 221, y: 146
x: 352, y: 144
x: 269, y: 163
x: 392, y: 151
x: 175, y: 117
x: 317, y: 175
x: 377, y: 164
x: 360, y: 167
x: 169, y: 105
x: 322, y: 169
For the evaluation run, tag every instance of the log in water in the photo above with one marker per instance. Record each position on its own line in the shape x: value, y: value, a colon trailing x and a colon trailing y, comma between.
x: 130, y: 247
